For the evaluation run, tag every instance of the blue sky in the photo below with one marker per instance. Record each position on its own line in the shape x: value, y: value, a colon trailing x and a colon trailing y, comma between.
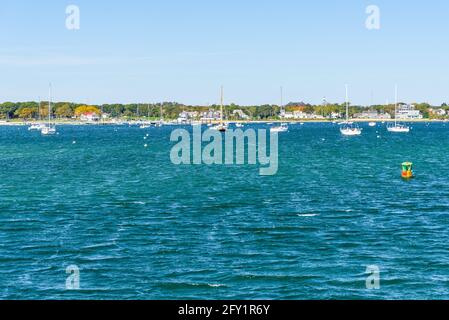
x: 174, y: 50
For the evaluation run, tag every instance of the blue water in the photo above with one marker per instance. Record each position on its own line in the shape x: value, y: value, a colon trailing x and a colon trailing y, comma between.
x: 139, y: 227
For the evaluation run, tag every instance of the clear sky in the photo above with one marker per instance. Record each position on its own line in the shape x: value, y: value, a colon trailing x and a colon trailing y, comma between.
x: 184, y: 50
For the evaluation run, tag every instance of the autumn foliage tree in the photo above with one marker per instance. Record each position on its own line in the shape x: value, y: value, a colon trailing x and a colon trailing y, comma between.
x: 86, y: 109
x: 25, y: 113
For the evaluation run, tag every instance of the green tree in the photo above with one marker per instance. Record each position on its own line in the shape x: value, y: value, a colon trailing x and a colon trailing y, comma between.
x: 64, y: 111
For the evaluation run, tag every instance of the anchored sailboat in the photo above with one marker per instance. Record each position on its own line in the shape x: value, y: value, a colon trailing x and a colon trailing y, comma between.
x: 222, y: 127
x: 161, y: 122
x: 397, y: 128
x: 49, y: 129
x: 348, y: 128
x: 283, y: 127
x: 37, y: 126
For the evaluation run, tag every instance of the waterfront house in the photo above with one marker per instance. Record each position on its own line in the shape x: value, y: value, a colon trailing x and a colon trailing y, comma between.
x: 374, y: 115
x: 90, y: 117
x: 239, y: 113
x: 438, y: 112
x: 301, y: 115
x: 408, y: 112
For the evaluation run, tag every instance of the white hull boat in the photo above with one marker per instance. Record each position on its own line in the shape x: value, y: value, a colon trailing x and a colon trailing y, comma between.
x: 351, y: 131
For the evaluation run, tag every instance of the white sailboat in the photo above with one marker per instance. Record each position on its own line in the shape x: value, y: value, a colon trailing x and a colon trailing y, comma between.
x: 37, y: 126
x: 222, y: 127
x: 161, y: 122
x: 348, y: 128
x: 397, y: 128
x: 49, y: 129
x: 146, y: 124
x: 283, y: 127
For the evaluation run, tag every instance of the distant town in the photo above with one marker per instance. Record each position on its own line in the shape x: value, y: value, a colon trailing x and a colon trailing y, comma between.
x: 175, y: 112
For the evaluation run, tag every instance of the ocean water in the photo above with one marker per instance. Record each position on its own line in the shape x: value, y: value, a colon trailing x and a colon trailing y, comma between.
x: 139, y: 227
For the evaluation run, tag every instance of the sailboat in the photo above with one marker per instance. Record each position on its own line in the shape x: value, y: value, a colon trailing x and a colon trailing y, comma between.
x: 348, y: 128
x: 161, y: 122
x: 283, y: 127
x: 146, y: 124
x: 37, y: 126
x: 397, y: 128
x: 222, y: 127
x: 49, y: 129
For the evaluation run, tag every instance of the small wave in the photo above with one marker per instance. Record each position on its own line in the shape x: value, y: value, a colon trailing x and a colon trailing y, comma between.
x: 194, y: 284
x: 308, y: 215
x: 216, y: 285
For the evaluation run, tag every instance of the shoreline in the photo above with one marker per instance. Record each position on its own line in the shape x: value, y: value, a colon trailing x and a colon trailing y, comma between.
x: 79, y: 123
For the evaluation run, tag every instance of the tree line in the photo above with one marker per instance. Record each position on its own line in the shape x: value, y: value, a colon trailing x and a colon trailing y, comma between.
x: 171, y: 110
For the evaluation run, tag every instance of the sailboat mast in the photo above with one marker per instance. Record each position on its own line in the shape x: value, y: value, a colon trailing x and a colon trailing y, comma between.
x: 221, y: 104
x: 49, y: 105
x: 395, y: 105
x: 282, y: 100
x: 39, y: 110
x: 347, y: 104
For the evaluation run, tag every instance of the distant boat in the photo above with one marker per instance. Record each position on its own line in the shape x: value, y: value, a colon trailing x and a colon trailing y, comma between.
x: 239, y: 125
x: 161, y: 122
x: 49, y: 129
x: 281, y: 128
x: 222, y: 127
x: 397, y: 128
x: 37, y: 126
x: 372, y: 124
x: 284, y: 126
x: 348, y: 128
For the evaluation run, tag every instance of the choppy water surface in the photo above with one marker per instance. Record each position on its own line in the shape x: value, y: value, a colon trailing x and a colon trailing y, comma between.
x: 139, y: 227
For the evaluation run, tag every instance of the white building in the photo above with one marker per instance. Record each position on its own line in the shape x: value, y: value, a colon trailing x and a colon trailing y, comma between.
x: 210, y: 115
x: 90, y: 117
x: 372, y: 115
x: 240, y: 114
x: 408, y: 112
x: 183, y: 118
x: 301, y: 115
x: 439, y: 112
x: 335, y: 115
